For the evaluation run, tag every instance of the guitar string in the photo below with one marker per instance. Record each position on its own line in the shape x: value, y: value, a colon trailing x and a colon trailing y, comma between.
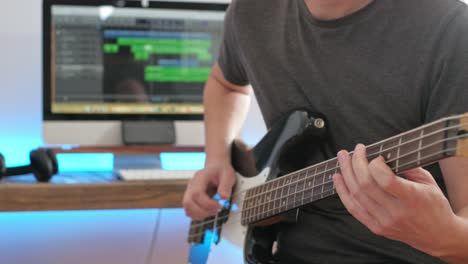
x: 237, y: 214
x: 311, y: 176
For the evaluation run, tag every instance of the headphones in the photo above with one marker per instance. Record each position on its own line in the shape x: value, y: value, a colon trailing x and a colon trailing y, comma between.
x: 43, y: 164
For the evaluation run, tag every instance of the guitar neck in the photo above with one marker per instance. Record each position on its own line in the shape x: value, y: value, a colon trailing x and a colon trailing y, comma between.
x: 419, y: 147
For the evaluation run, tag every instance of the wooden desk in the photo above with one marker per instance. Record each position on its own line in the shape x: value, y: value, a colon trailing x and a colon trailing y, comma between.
x: 24, y: 194
x: 115, y: 195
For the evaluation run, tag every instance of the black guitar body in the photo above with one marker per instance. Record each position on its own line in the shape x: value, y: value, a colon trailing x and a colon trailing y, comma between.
x: 296, y: 141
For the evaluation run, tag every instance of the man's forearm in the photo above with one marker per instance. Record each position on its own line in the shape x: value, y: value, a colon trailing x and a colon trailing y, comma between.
x: 455, y: 242
x: 225, y: 112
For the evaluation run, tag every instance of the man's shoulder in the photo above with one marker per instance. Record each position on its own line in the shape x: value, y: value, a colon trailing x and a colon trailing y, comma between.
x: 431, y: 9
x: 427, y: 17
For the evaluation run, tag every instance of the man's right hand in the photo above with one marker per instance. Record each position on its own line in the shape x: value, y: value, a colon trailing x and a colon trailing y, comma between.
x: 198, y: 198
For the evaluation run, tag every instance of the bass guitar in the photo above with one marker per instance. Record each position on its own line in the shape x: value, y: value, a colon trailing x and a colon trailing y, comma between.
x: 271, y: 186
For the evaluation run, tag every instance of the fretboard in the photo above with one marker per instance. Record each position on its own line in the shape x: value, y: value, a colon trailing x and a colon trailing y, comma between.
x: 418, y: 147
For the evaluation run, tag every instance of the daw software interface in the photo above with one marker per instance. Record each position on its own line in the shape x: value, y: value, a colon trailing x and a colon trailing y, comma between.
x: 108, y: 60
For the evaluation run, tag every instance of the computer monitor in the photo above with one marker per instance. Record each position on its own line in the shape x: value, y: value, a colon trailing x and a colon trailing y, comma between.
x: 108, y: 62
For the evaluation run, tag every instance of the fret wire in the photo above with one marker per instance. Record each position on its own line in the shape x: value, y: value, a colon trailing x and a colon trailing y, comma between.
x: 288, y: 180
x: 300, y: 187
x: 265, y: 195
x: 324, y: 175
x: 260, y: 208
x: 317, y: 184
x: 420, y: 145
x: 249, y: 203
x: 264, y: 199
x: 268, y: 196
x: 281, y: 187
x: 259, y: 200
x: 249, y: 198
x: 425, y: 157
x: 295, y: 190
x: 281, y: 195
x: 333, y: 164
x: 272, y: 197
x: 313, y: 182
x: 278, y: 194
x: 285, y: 202
x: 257, y: 211
x: 251, y: 206
x: 298, y: 182
x: 398, y: 152
x: 304, y: 187
x: 335, y: 172
x: 254, y: 207
x: 245, y: 204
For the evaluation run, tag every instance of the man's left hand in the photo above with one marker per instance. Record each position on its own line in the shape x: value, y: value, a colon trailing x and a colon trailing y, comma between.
x: 412, y: 210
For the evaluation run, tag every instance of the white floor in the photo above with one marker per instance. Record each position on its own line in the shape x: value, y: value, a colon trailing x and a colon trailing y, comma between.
x: 94, y: 237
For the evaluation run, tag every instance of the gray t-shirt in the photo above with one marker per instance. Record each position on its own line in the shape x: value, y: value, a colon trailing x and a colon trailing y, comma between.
x: 387, y: 68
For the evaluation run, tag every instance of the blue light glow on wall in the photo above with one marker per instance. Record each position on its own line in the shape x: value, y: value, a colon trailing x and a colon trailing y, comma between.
x: 70, y: 162
x: 182, y: 161
x: 16, y: 149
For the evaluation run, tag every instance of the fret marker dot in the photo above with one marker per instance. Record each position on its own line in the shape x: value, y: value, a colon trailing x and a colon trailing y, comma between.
x: 389, y: 155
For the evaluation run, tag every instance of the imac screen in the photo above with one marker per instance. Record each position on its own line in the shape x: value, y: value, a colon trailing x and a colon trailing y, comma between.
x: 120, y: 60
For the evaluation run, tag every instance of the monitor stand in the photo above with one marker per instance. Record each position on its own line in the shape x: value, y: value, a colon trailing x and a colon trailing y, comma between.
x: 148, y: 132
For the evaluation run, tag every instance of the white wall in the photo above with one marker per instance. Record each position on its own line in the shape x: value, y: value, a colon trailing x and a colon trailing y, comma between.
x: 20, y: 78
x: 118, y: 237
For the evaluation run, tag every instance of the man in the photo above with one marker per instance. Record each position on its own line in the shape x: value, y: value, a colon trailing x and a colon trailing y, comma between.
x: 375, y: 69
